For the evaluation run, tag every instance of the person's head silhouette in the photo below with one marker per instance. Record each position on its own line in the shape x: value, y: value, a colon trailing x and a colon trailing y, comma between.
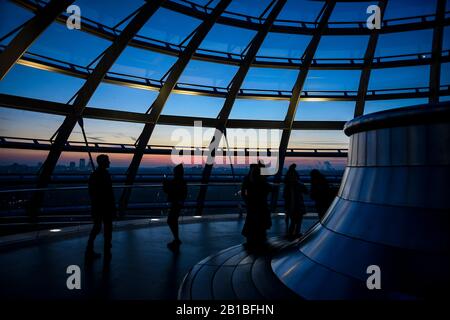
x: 291, y: 174
x: 178, y: 171
x: 315, y: 173
x: 103, y: 161
x: 317, y: 177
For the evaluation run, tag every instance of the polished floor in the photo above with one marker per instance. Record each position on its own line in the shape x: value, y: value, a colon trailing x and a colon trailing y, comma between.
x: 142, y: 267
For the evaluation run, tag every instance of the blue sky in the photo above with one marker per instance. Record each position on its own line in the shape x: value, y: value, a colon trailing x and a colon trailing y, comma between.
x: 80, y: 48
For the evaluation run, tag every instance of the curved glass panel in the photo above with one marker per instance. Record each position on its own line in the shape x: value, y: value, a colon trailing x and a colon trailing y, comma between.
x: 141, y: 64
x: 402, y: 43
x: 318, y: 139
x: 283, y: 45
x: 318, y: 80
x: 208, y: 74
x: 169, y: 26
x: 265, y: 109
x: 403, y: 77
x: 193, y: 106
x: 325, y: 110
x: 116, y: 97
x: 11, y: 16
x: 227, y: 39
x: 58, y: 42
x: 270, y: 79
x: 300, y: 10
x: 34, y: 83
x: 380, y: 105
x: 27, y: 124
x: 108, y: 12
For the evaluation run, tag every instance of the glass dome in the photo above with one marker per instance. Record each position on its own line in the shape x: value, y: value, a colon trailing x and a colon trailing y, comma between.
x: 138, y: 78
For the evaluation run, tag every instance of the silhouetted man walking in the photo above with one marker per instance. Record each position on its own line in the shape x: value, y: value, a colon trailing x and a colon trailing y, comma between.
x: 176, y: 190
x: 103, y: 207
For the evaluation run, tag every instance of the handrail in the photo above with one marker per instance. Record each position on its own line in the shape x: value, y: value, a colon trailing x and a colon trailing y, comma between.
x: 4, y: 139
x: 122, y: 186
x: 117, y: 186
x: 44, y: 144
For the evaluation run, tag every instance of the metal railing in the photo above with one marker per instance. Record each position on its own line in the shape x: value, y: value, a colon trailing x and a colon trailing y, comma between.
x: 72, y: 203
x: 45, y: 144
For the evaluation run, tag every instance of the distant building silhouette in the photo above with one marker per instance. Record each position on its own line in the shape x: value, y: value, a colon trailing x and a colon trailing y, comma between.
x: 82, y: 164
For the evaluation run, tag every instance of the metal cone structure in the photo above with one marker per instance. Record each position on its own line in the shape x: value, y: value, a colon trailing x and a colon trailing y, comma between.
x: 390, y: 220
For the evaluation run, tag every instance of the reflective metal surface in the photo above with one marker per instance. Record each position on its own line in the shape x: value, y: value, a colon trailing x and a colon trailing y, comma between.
x: 392, y: 211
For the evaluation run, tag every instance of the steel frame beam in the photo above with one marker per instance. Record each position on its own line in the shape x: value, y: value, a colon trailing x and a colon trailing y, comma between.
x: 192, y: 89
x: 85, y: 94
x: 103, y: 31
x: 436, y: 56
x: 254, y: 23
x: 158, y: 105
x: 29, y: 33
x: 231, y: 98
x: 300, y: 27
x: 77, y: 146
x: 56, y: 108
x: 31, y: 59
x: 296, y: 93
x: 368, y: 65
x: 50, y: 107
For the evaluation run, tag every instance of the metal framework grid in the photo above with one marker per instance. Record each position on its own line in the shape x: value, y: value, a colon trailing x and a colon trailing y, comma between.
x: 53, y: 11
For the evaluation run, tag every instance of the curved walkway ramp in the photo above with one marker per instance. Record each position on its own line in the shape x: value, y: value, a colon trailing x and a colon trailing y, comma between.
x: 237, y: 274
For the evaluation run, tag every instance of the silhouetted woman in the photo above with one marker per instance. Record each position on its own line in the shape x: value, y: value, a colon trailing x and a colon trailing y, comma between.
x: 255, y: 190
x: 176, y: 190
x: 320, y: 192
x: 293, y: 201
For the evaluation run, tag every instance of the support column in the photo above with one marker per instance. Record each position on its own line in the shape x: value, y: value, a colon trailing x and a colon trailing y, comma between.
x: 29, y: 33
x: 367, y: 67
x: 85, y: 94
x: 297, y: 90
x: 231, y: 97
x: 435, y: 68
x: 158, y: 105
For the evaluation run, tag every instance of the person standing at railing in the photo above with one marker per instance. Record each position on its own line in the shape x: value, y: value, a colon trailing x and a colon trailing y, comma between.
x: 103, y: 208
x: 293, y: 202
x: 176, y: 190
x: 254, y: 191
x: 320, y: 192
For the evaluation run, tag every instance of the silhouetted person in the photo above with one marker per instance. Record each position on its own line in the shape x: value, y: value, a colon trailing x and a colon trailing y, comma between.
x: 176, y: 190
x: 103, y: 207
x: 320, y: 192
x: 255, y: 190
x: 293, y: 202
